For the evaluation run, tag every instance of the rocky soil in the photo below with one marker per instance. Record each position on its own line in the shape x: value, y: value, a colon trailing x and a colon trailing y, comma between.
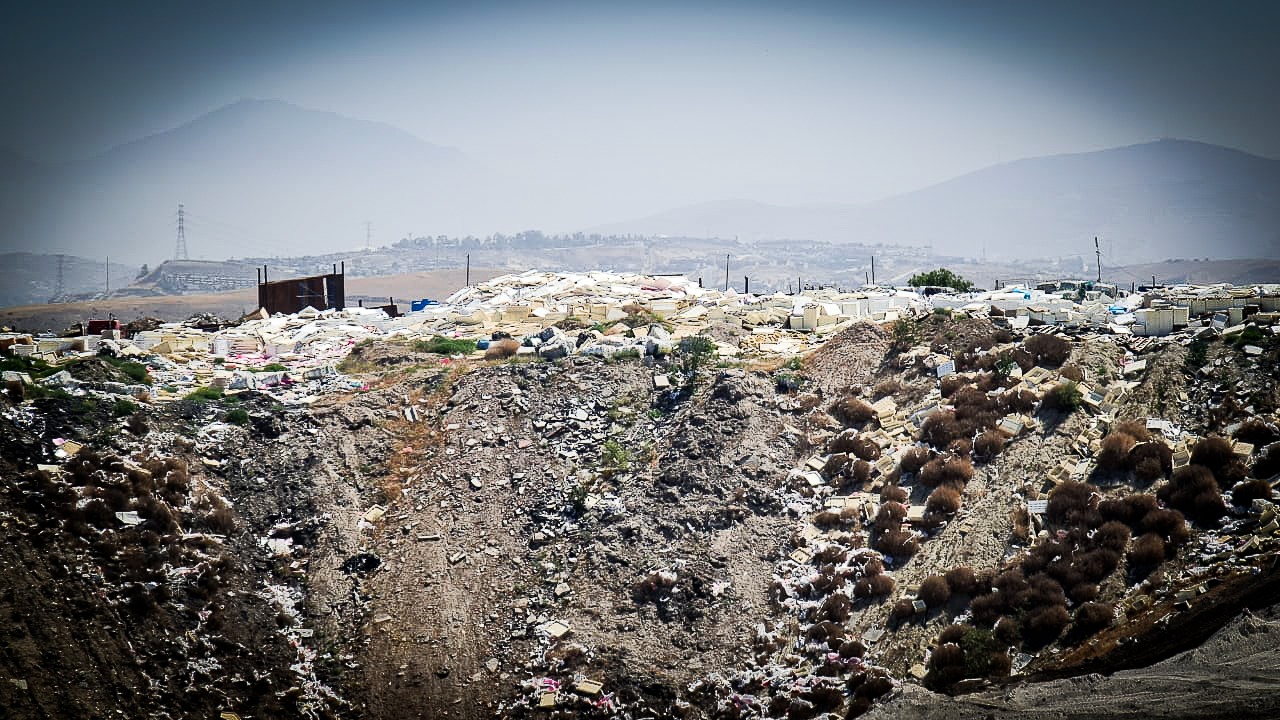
x: 653, y: 537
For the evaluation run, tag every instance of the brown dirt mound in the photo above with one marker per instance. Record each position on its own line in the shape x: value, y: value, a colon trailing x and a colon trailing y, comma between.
x: 849, y: 358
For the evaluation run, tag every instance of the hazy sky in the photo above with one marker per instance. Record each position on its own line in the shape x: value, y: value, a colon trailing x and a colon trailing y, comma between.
x: 642, y: 106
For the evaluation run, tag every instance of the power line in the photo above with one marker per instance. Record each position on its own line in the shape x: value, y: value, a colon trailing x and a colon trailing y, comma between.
x: 236, y: 236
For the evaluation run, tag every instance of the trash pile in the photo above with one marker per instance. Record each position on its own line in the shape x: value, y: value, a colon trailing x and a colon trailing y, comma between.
x: 552, y: 315
x: 544, y: 298
x: 1151, y: 312
x: 549, y: 315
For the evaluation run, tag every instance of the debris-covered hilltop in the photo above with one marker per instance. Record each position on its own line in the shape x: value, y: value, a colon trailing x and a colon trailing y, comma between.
x: 341, y: 514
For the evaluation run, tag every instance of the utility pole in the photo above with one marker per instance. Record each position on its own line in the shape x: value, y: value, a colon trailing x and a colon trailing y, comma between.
x: 1098, y: 251
x: 873, y: 268
x: 1153, y: 282
x: 180, y: 250
x: 726, y: 273
x: 468, y: 270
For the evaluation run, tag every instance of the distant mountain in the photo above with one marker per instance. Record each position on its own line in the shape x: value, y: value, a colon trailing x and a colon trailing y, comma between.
x: 263, y: 177
x: 1169, y: 198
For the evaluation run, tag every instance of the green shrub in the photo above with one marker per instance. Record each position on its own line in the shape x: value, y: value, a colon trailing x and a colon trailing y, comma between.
x: 941, y: 277
x: 1250, y: 336
x: 34, y: 367
x: 614, y: 457
x: 1197, y: 355
x: 441, y: 345
x: 578, y: 500
x: 205, y: 394
x: 136, y: 372
x: 123, y: 407
x: 1064, y: 396
x: 904, y: 335
x: 1004, y: 366
x: 36, y: 392
x: 695, y: 351
x: 238, y: 416
x: 789, y: 382
x: 978, y: 645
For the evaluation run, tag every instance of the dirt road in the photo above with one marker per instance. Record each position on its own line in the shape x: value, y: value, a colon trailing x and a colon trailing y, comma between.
x: 170, y: 308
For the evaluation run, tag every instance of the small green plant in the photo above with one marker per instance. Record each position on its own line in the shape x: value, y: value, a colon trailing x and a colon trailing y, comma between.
x: 36, y: 392
x: 614, y: 457
x: 441, y: 345
x: 656, y: 414
x: 205, y: 394
x: 795, y: 364
x: 82, y: 405
x: 1250, y: 336
x: 34, y: 367
x: 789, y: 382
x: 1004, y: 366
x: 621, y: 411
x: 219, y: 361
x: 123, y: 407
x: 639, y: 316
x: 1065, y: 396
x: 694, y: 353
x: 136, y: 372
x: 1197, y: 355
x: 237, y: 416
x: 979, y: 645
x: 578, y: 500
x: 903, y: 336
